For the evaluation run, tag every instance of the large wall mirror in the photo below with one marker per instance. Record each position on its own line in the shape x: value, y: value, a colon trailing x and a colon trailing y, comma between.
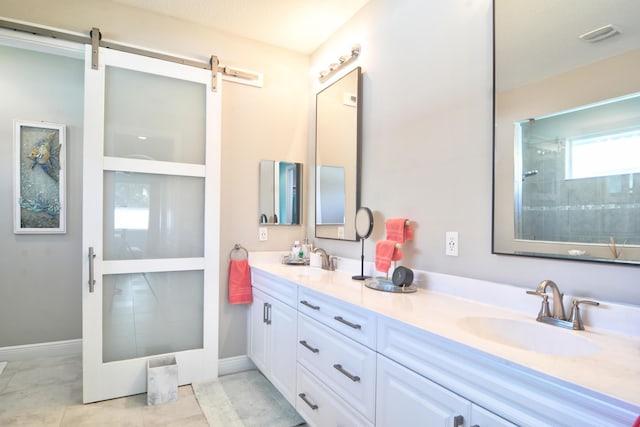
x: 567, y: 129
x: 338, y: 117
x: 280, y: 192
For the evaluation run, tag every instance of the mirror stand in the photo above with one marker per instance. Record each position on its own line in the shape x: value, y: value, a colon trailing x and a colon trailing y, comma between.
x: 364, y: 227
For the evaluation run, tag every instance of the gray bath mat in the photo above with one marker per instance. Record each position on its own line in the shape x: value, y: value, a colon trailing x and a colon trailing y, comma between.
x: 245, y: 399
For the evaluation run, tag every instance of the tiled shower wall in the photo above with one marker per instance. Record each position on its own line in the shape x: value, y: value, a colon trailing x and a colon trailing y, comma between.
x: 589, y: 210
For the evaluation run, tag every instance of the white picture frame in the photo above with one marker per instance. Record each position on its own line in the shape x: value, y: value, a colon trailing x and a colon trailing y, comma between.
x: 39, y: 203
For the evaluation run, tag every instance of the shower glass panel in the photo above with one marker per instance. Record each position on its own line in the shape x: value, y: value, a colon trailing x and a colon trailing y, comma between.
x: 161, y: 128
x: 144, y: 314
x: 148, y: 216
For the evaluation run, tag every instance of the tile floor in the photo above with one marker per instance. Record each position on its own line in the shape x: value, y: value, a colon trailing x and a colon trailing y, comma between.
x: 48, y: 392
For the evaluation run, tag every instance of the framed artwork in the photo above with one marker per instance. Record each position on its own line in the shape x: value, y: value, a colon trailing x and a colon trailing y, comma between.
x: 39, y: 178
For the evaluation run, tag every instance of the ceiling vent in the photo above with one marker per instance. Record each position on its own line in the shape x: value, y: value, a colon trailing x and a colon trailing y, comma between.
x: 600, y: 33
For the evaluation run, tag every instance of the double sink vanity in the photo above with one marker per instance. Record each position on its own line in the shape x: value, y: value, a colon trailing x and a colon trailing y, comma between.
x: 344, y: 354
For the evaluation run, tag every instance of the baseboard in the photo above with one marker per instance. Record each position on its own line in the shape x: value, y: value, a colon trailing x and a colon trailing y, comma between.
x: 47, y: 349
x: 231, y: 365
x: 226, y: 366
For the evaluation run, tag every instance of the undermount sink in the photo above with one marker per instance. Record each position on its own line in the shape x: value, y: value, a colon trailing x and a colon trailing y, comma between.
x: 532, y: 336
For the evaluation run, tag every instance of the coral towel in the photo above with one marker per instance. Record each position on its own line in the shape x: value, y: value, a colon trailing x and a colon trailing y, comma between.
x: 240, y: 282
x: 386, y: 251
x: 637, y: 423
x: 398, y: 230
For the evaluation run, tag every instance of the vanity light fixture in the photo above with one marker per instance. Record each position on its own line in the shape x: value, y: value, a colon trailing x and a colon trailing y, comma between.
x: 600, y: 33
x: 342, y: 61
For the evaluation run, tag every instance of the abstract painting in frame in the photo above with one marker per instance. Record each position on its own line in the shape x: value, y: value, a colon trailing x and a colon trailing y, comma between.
x: 40, y: 169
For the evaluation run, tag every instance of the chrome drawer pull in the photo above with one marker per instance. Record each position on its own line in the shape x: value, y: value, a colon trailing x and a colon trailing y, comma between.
x: 347, y: 374
x: 458, y: 421
x: 308, y: 304
x: 346, y: 322
x: 268, y: 313
x: 313, y: 350
x: 311, y: 405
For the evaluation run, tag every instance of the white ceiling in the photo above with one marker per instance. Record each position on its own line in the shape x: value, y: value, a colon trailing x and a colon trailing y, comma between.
x: 299, y: 25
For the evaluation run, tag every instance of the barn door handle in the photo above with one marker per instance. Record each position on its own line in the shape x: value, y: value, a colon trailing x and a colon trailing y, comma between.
x: 92, y: 281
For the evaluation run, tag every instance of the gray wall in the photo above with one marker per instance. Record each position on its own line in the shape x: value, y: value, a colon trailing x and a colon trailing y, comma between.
x: 40, y: 274
x: 427, y: 144
x: 257, y: 123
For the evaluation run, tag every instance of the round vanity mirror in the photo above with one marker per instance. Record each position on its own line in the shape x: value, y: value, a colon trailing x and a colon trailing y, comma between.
x: 364, y: 227
x: 364, y: 222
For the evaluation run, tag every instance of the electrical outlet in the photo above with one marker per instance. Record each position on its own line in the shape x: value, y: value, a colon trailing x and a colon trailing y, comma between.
x: 452, y: 243
x: 262, y: 233
x: 340, y: 232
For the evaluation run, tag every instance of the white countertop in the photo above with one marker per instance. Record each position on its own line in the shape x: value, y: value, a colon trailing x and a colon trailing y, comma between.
x: 613, y: 371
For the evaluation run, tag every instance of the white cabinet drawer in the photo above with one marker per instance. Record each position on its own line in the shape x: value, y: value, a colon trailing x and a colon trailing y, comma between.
x: 321, y: 407
x: 347, y: 367
x: 356, y: 323
x: 285, y: 291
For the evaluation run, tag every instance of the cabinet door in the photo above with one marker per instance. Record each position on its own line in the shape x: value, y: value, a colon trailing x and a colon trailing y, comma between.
x: 283, y: 331
x: 407, y: 399
x: 480, y: 417
x: 258, y: 330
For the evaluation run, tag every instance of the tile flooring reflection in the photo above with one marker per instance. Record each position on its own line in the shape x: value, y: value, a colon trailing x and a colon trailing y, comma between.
x: 48, y: 392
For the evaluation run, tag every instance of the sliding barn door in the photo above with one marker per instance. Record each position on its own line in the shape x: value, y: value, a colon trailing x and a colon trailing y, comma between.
x: 150, y: 222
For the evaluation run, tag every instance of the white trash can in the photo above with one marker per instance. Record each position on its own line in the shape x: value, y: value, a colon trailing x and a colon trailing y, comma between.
x: 162, y: 380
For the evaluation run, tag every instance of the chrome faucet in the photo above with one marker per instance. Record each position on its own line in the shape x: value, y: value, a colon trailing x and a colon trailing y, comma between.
x: 558, y: 305
x: 557, y: 316
x: 326, y: 265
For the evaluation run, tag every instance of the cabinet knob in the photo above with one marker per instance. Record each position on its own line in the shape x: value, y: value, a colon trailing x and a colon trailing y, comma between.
x: 458, y: 421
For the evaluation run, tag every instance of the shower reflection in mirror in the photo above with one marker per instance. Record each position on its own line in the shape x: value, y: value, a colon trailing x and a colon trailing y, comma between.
x: 280, y: 192
x: 577, y: 171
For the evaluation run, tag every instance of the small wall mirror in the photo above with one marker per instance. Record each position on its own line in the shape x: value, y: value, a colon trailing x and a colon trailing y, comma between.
x: 567, y: 129
x: 338, y: 116
x: 280, y: 193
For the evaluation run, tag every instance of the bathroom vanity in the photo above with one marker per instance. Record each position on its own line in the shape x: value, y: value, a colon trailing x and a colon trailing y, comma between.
x: 344, y: 354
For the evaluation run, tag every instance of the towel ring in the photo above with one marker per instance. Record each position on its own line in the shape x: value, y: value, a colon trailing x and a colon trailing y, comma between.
x: 237, y: 248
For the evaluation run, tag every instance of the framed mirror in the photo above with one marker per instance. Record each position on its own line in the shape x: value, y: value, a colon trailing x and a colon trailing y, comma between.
x: 337, y: 168
x: 280, y: 193
x: 567, y: 129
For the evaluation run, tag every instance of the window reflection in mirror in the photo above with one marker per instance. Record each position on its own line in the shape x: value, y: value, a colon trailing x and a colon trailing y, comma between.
x: 330, y: 195
x: 338, y: 112
x: 555, y: 193
x: 280, y: 192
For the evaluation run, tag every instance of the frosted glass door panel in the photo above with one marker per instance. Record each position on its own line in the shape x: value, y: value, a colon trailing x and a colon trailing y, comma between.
x: 144, y: 314
x: 153, y: 117
x: 148, y: 216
